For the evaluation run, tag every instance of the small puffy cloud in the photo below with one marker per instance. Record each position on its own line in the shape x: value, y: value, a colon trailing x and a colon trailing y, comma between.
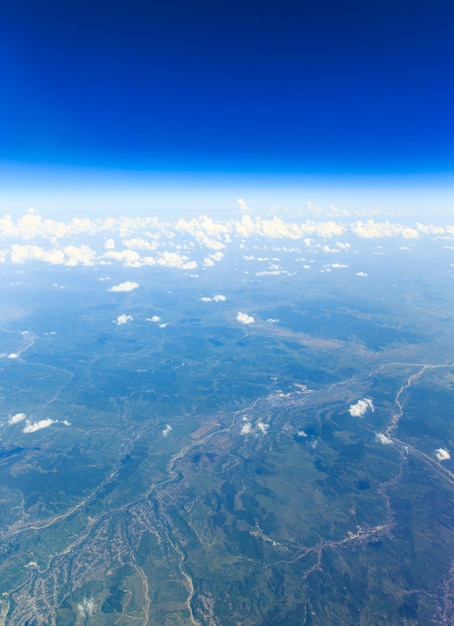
x: 110, y: 244
x: 15, y: 419
x: 272, y: 320
x: 242, y: 205
x: 361, y: 274
x: 263, y: 428
x: 442, y: 454
x: 217, y: 298
x: 123, y: 319
x: 246, y: 429
x: 32, y: 427
x: 13, y: 355
x: 166, y: 430
x: 382, y: 438
x: 86, y: 608
x: 361, y: 407
x: 244, y: 318
x: 154, y: 319
x: 127, y: 286
x: 301, y: 433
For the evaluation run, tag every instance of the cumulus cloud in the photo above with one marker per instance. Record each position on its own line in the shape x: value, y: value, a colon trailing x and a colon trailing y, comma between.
x: 242, y: 205
x: 246, y: 429
x: 244, y: 318
x: 153, y: 242
x: 216, y: 298
x: 361, y: 274
x: 371, y: 229
x: 126, y: 286
x: 123, y: 319
x: 442, y: 454
x: 166, y: 430
x: 382, y: 438
x: 32, y: 427
x: 86, y: 608
x: 263, y: 428
x: 361, y: 407
x: 15, y: 419
x: 154, y: 319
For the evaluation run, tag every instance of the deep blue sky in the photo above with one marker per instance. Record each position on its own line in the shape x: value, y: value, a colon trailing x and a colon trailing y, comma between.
x: 323, y: 88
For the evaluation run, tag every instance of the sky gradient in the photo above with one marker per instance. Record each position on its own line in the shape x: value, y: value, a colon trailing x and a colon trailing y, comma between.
x: 233, y: 95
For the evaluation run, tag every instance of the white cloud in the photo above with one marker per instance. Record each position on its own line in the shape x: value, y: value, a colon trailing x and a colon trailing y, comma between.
x: 361, y: 273
x: 32, y: 427
x: 86, y: 608
x: 246, y: 429
x: 123, y: 319
x: 166, y: 430
x: 154, y: 319
x: 242, y: 205
x: 126, y: 286
x: 272, y: 320
x: 361, y: 407
x: 15, y: 419
x: 13, y: 355
x: 442, y: 454
x: 244, y: 318
x: 371, y: 229
x: 382, y: 438
x: 216, y: 298
x: 263, y: 428
x: 110, y: 244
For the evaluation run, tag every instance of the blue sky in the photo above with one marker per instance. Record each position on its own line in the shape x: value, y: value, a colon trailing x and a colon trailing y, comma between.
x: 163, y: 101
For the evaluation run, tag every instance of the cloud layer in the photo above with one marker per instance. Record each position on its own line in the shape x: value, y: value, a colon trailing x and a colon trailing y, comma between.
x: 187, y: 244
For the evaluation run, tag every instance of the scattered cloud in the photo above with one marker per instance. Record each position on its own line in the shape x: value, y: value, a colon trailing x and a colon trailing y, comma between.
x: 32, y: 427
x: 126, y: 286
x: 361, y: 274
x: 442, y: 454
x: 15, y: 419
x: 123, y: 319
x: 361, y: 407
x: 166, y: 430
x: 244, y: 318
x: 154, y: 319
x: 184, y: 244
